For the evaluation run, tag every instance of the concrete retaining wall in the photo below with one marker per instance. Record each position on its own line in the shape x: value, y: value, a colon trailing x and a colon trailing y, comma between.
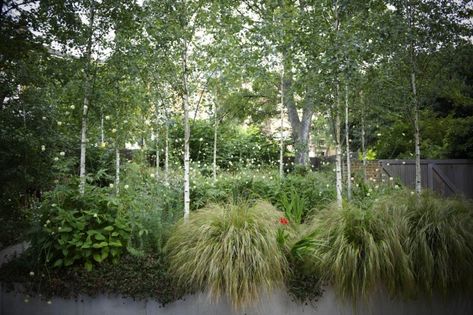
x: 277, y: 304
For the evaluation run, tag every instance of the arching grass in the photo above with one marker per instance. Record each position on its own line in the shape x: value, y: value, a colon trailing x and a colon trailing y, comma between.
x: 230, y: 251
x: 440, y: 243
x: 356, y: 250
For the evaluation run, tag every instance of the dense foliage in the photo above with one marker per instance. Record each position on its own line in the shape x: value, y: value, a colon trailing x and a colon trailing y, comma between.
x: 76, y: 229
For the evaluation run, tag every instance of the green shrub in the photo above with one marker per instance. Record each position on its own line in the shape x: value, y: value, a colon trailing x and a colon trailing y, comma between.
x: 152, y: 208
x: 356, y: 250
x: 229, y: 250
x: 75, y: 229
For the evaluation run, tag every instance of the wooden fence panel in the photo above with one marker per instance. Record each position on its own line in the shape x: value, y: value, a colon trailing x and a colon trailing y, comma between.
x: 446, y: 177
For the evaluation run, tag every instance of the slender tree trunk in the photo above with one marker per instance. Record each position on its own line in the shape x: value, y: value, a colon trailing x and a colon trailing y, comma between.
x: 417, y: 135
x: 86, y: 103
x: 102, y: 133
x: 347, y: 139
x: 338, y: 150
x: 363, y: 149
x: 156, y: 172
x: 281, y: 131
x: 157, y: 138
x: 418, y: 185
x: 166, y: 153
x: 185, y: 101
x: 214, y: 162
x: 117, y: 169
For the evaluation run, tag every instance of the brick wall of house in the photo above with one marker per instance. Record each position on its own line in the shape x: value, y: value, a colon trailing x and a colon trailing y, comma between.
x: 372, y: 169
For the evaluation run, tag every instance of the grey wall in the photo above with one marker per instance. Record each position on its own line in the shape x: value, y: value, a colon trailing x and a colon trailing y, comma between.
x: 276, y: 304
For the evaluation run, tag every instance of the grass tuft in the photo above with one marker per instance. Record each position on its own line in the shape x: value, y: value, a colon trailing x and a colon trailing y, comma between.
x: 229, y: 250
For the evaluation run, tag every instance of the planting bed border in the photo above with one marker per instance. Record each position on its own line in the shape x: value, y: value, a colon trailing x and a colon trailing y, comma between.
x: 278, y: 303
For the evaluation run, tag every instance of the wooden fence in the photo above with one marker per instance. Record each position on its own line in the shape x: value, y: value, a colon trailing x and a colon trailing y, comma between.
x: 446, y: 177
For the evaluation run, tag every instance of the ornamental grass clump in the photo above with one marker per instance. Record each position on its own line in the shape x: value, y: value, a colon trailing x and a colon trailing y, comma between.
x: 357, y: 251
x: 440, y: 243
x: 230, y: 251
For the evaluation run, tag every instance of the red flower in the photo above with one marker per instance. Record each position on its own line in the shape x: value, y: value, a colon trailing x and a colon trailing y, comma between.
x: 283, y: 220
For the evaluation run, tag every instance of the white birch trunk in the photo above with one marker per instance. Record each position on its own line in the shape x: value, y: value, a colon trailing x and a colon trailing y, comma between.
x: 417, y: 136
x: 363, y: 149
x: 338, y: 151
x: 281, y: 133
x: 156, y: 172
x: 86, y: 103
x: 214, y: 162
x: 418, y: 185
x: 166, y: 153
x: 117, y: 170
x: 185, y: 101
x: 347, y: 139
x: 102, y: 134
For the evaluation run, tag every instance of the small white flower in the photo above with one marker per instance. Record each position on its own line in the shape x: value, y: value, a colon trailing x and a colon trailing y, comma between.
x: 56, y: 181
x: 126, y: 186
x: 412, y: 193
x: 49, y: 302
x: 26, y: 300
x: 390, y: 178
x: 43, y: 148
x: 201, y: 139
x: 114, y: 130
x: 31, y: 273
x: 44, y: 117
x: 56, y: 158
x: 95, y: 215
x: 111, y: 185
x: 53, y: 205
x: 367, y: 194
x: 62, y: 153
x: 107, y: 117
x: 59, y: 228
x: 67, y: 112
x: 378, y: 134
x: 47, y: 221
x: 59, y: 123
x: 125, y: 121
x: 85, y: 106
x: 152, y: 175
x: 396, y: 186
x: 72, y: 107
